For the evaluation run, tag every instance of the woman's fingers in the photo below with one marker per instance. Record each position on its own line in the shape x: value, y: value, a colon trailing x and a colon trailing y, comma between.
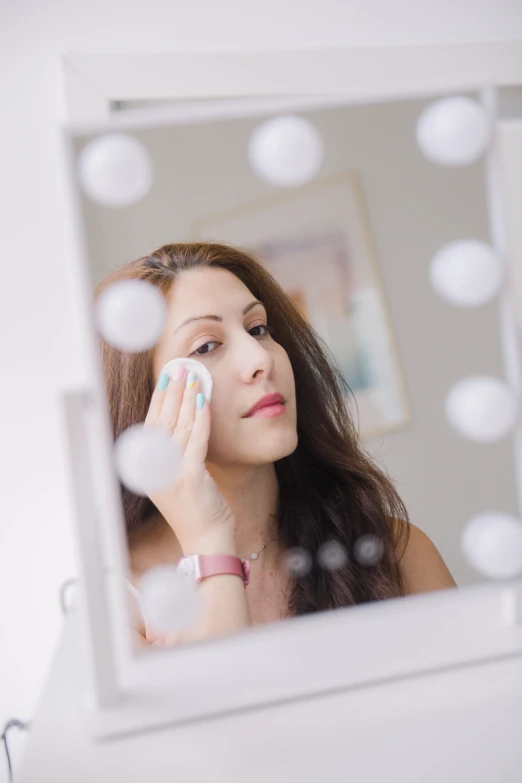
x: 172, y: 401
x: 170, y: 640
x: 156, y: 404
x: 197, y: 446
x: 174, y: 410
x: 187, y: 412
x: 165, y: 394
x: 192, y: 505
x: 140, y: 639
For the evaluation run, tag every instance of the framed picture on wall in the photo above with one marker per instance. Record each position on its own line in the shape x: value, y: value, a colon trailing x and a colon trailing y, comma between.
x: 315, y: 240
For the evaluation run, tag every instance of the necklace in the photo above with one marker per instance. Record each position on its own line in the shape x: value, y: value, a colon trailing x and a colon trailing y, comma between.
x: 255, y: 555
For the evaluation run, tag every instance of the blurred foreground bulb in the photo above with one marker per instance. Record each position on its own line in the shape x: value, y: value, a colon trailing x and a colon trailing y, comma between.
x: 131, y: 315
x: 147, y: 460
x: 466, y: 273
x: 115, y: 170
x: 332, y: 556
x: 169, y: 602
x: 368, y: 550
x: 482, y: 409
x: 454, y: 131
x: 298, y: 561
x: 286, y: 151
x: 492, y: 543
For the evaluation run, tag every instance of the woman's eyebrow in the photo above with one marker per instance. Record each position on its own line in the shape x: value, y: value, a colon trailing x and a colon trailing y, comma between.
x: 216, y: 317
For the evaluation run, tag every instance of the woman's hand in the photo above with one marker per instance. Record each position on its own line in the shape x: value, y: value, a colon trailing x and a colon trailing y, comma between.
x: 193, y: 506
x: 149, y: 639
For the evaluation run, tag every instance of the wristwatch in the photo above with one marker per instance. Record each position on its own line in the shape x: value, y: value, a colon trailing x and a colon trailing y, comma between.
x: 198, y: 567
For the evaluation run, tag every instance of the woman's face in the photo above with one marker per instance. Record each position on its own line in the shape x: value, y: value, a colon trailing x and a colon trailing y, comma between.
x: 244, y: 360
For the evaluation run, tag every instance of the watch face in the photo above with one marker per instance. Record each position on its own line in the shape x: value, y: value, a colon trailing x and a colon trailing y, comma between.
x: 187, y: 568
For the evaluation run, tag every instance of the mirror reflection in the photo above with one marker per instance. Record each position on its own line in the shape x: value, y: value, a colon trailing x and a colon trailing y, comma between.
x: 283, y: 334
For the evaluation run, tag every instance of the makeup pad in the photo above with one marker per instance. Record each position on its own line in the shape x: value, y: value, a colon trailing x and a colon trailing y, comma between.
x: 200, y: 370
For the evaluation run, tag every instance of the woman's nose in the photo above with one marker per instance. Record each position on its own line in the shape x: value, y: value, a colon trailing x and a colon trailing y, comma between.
x: 255, y: 359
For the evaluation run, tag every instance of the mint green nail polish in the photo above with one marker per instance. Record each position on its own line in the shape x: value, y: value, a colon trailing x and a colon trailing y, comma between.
x: 163, y: 381
x: 200, y: 400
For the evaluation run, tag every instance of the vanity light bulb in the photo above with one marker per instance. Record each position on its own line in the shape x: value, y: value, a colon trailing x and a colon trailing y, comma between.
x: 368, y: 550
x: 332, y: 556
x: 130, y: 315
x: 481, y: 408
x: 286, y: 151
x: 169, y: 602
x: 466, y: 273
x: 298, y: 561
x: 454, y: 131
x: 492, y: 543
x: 147, y: 460
x: 115, y: 170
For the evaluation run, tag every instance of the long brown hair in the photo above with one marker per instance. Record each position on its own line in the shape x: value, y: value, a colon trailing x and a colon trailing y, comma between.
x: 329, y: 488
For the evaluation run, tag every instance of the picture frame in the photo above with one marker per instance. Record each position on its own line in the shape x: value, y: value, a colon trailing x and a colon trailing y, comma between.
x: 326, y: 224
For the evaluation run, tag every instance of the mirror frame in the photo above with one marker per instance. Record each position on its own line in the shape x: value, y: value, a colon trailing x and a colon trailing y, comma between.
x: 123, y: 691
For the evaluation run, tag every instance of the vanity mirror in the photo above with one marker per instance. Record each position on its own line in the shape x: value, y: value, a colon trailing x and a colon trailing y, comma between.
x: 376, y: 205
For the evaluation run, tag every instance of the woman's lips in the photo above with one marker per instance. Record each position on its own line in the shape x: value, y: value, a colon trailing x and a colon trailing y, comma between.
x: 268, y: 412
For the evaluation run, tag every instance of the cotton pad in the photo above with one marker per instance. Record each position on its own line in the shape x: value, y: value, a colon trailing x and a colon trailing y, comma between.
x: 200, y: 370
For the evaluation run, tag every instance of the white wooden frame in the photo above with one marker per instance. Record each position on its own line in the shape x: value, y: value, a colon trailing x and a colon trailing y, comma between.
x: 93, y: 82
x: 125, y: 691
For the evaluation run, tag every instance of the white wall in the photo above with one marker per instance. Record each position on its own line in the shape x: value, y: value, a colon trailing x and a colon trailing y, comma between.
x: 39, y: 327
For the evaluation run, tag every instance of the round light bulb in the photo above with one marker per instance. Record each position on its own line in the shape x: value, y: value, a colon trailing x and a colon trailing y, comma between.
x: 492, y: 543
x: 298, y: 561
x: 332, y: 556
x: 130, y: 315
x: 286, y: 151
x: 169, y: 602
x: 481, y: 408
x: 454, y: 131
x: 368, y: 550
x: 466, y: 273
x: 115, y: 170
x: 147, y: 460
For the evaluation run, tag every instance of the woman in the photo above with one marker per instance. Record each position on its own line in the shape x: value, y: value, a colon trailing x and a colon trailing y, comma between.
x: 293, y: 477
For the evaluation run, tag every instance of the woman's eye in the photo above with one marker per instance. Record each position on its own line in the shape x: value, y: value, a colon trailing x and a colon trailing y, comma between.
x: 204, y: 353
x: 260, y: 326
x: 266, y: 327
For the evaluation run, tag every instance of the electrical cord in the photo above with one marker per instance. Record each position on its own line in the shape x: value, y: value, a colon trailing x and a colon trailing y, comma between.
x: 63, y: 594
x: 14, y: 723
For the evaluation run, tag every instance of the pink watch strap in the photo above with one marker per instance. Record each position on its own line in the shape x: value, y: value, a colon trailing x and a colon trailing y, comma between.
x: 212, y: 565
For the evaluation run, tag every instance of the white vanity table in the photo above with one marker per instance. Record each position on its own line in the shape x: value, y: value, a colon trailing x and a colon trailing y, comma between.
x: 461, y: 725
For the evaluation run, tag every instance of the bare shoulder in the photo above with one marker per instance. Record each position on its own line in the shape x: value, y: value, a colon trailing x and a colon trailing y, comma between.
x: 421, y: 562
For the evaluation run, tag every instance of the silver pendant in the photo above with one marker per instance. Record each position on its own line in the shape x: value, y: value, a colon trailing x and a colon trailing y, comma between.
x: 254, y: 555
